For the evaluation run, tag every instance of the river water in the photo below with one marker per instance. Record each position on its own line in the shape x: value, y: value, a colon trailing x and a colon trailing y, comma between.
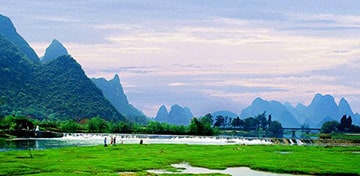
x: 89, y: 139
x: 185, y: 168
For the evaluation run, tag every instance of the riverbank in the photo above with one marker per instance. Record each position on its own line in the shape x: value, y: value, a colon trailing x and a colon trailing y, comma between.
x: 137, y: 158
x: 93, y: 139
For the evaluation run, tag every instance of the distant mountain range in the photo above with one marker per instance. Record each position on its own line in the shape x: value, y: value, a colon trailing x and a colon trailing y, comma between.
x: 322, y: 108
x: 178, y: 115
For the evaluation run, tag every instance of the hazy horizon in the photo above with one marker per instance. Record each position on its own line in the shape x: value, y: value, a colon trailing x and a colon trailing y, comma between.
x: 206, y: 55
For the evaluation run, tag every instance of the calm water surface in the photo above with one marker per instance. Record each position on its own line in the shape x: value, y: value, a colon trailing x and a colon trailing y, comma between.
x: 185, y: 168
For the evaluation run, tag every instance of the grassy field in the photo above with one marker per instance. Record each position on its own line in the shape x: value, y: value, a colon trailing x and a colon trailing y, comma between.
x: 138, y: 158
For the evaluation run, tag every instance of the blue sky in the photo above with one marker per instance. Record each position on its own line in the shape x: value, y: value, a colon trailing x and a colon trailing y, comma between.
x: 205, y: 54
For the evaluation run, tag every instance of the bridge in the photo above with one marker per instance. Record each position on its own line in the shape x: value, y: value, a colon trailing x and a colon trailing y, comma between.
x: 306, y: 130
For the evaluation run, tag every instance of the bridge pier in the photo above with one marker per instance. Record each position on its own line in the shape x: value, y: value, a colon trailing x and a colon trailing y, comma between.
x: 293, y: 133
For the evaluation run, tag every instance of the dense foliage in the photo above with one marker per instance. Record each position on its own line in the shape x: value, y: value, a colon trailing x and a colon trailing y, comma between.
x: 56, y: 90
x: 345, y: 125
x: 261, y: 122
x: 12, y: 125
x: 198, y: 126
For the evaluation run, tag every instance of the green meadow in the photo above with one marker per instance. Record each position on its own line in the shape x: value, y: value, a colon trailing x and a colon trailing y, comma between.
x: 135, y: 158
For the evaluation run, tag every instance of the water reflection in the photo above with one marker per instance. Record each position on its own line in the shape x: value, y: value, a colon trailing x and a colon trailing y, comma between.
x: 185, y: 168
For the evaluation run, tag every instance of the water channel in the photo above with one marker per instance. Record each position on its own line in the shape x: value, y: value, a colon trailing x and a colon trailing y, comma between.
x: 90, y: 139
x: 185, y: 168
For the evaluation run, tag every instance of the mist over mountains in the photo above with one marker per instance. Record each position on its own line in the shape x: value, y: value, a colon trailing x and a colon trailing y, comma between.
x: 321, y: 109
x: 276, y: 109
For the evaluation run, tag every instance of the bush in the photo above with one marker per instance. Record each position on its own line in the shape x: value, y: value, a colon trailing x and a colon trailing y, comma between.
x: 329, y: 127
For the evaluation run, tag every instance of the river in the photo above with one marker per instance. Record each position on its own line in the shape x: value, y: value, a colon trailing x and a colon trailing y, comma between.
x: 89, y: 139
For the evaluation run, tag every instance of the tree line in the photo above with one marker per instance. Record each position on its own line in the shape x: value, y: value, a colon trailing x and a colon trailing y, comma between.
x: 345, y: 125
x: 205, y: 125
x: 261, y: 122
x: 12, y: 125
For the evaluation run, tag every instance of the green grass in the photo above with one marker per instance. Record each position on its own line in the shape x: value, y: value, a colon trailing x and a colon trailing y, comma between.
x: 346, y: 136
x: 99, y: 160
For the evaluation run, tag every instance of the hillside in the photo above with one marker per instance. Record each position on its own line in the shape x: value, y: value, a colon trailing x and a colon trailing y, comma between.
x: 68, y: 91
x: 8, y: 31
x: 58, y: 89
x: 114, y: 92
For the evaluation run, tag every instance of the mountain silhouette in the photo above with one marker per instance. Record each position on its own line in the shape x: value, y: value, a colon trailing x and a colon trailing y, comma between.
x: 53, y: 51
x: 8, y: 30
x: 224, y: 114
x: 277, y: 110
x: 177, y: 115
x: 161, y: 115
x: 344, y: 107
x: 322, y: 108
x: 114, y: 92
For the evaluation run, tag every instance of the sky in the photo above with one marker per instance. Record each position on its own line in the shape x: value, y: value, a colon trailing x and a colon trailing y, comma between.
x: 207, y: 55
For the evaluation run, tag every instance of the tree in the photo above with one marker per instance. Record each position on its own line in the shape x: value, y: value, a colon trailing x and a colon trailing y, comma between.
x: 195, y: 126
x: 275, y: 129
x: 155, y: 127
x: 269, y: 119
x: 342, y: 124
x: 261, y: 118
x: 69, y: 126
x: 220, y: 121
x: 329, y: 127
x: 22, y: 123
x: 206, y: 123
x: 237, y: 122
x: 250, y: 123
x: 125, y: 127
x: 345, y: 123
x: 97, y: 125
x: 200, y: 127
x: 207, y: 119
x: 348, y: 122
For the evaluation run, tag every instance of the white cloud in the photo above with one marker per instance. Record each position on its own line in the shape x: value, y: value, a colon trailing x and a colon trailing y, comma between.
x: 236, y: 58
x: 57, y: 19
x: 178, y: 84
x: 323, y: 20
